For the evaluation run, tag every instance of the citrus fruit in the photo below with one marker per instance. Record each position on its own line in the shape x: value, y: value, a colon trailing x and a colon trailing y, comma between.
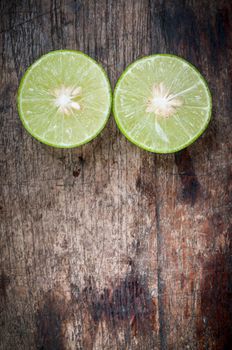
x: 162, y: 103
x: 64, y: 99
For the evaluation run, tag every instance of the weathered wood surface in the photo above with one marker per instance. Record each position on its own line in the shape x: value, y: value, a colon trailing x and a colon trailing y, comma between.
x: 108, y: 246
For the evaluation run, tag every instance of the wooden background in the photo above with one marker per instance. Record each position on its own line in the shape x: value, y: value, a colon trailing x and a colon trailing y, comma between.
x: 108, y: 246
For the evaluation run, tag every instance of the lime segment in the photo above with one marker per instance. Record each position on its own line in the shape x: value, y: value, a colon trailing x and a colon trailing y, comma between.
x: 162, y: 103
x: 64, y: 99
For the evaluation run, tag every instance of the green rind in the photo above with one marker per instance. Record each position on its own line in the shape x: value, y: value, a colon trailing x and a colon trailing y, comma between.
x: 21, y: 114
x: 187, y: 143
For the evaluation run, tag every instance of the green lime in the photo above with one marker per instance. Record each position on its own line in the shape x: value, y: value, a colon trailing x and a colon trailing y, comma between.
x: 162, y: 103
x: 64, y: 99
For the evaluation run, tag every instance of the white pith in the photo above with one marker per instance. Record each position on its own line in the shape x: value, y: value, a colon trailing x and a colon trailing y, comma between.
x: 65, y: 99
x: 162, y: 102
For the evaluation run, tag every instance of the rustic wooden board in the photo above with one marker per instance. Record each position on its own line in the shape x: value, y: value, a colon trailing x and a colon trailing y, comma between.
x: 108, y: 246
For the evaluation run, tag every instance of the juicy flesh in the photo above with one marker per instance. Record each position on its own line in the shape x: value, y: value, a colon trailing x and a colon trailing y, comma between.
x: 161, y: 103
x: 64, y: 99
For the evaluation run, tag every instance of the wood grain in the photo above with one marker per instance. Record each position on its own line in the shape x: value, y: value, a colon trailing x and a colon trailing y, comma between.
x: 108, y: 246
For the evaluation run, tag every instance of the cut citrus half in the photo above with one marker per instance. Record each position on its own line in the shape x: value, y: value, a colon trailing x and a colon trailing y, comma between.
x: 162, y: 103
x: 64, y: 99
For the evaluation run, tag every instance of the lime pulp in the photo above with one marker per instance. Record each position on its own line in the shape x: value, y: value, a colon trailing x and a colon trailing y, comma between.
x: 162, y: 103
x: 64, y: 99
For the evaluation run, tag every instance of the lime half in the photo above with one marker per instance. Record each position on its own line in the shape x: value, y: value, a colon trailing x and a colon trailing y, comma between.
x: 162, y: 103
x: 64, y: 99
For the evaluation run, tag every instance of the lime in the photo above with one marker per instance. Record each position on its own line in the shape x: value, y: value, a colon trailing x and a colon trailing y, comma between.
x: 64, y: 99
x: 162, y: 103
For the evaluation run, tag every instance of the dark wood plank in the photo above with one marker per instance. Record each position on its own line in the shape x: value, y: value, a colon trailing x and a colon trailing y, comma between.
x: 195, y: 205
x: 108, y: 246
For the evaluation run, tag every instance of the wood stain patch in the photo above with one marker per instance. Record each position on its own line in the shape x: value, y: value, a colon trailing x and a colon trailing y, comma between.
x: 4, y: 282
x: 49, y: 318
x: 76, y: 173
x: 186, y: 171
x: 129, y: 302
x: 145, y: 181
x: 127, y: 308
